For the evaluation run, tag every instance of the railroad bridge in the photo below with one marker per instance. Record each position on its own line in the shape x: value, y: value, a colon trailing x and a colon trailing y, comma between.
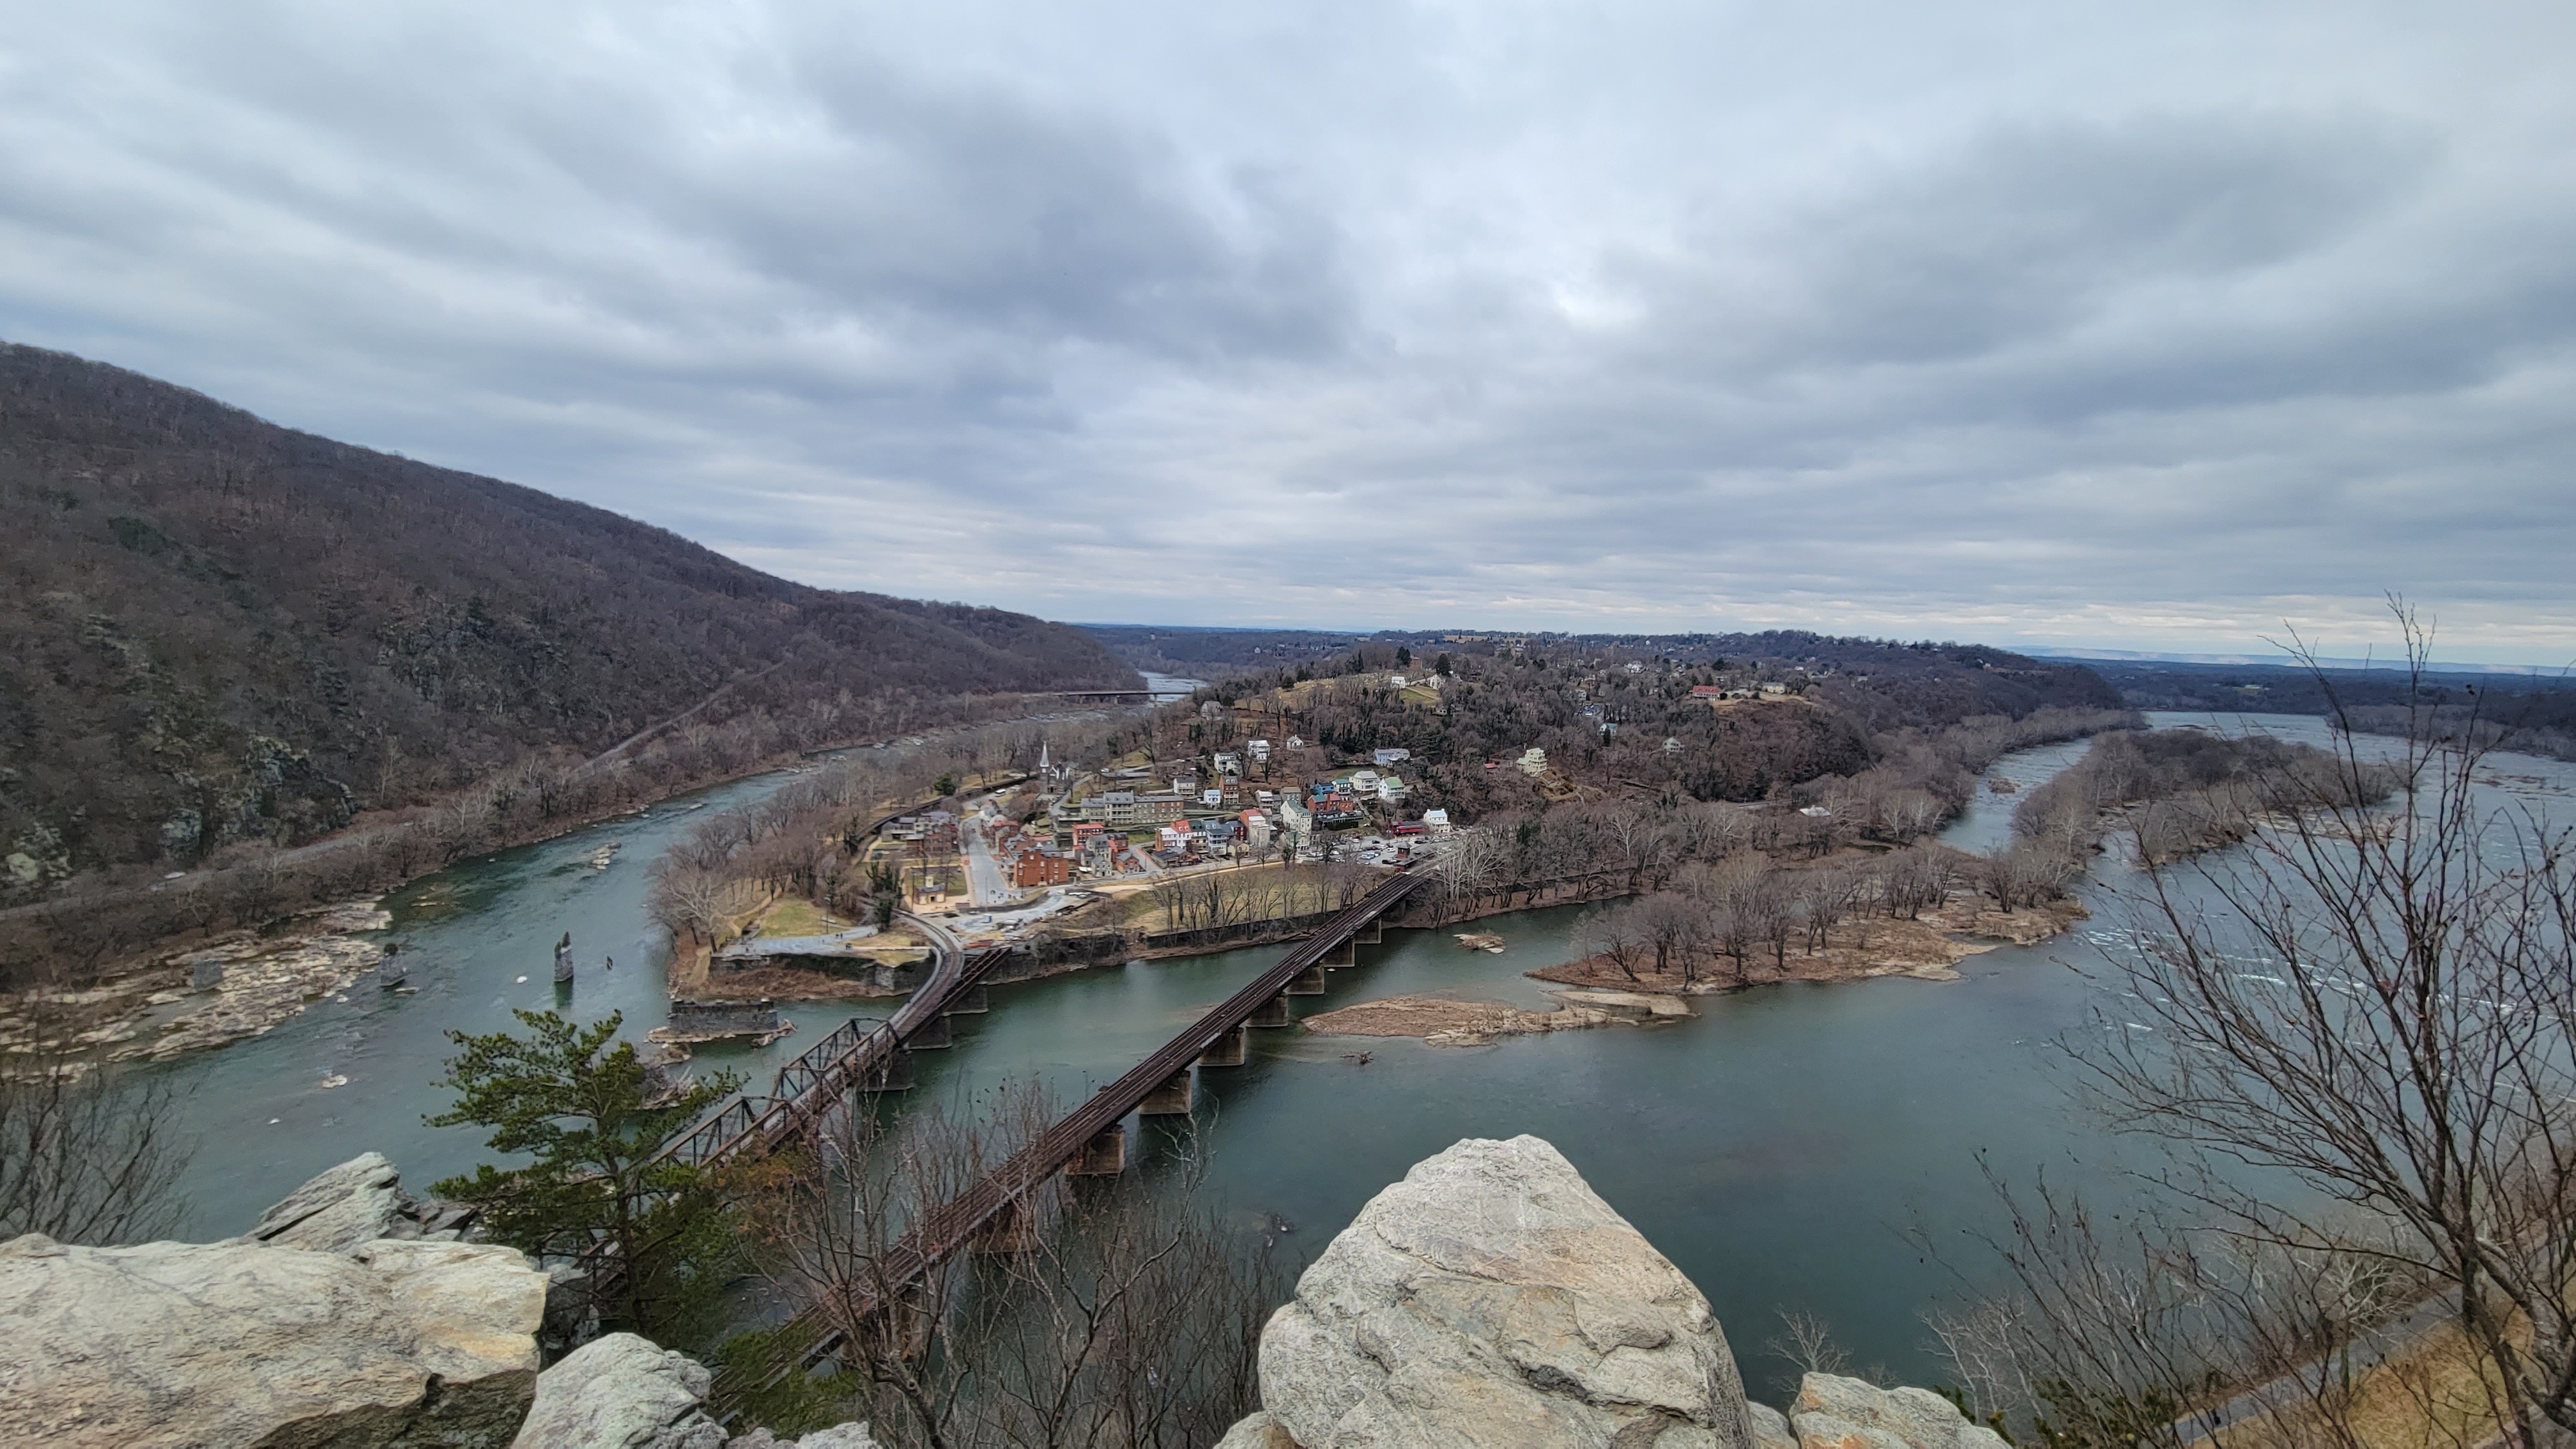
x: 1089, y: 1141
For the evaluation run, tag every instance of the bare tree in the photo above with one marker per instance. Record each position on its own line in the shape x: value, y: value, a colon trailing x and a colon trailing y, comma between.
x: 2380, y: 1004
x: 89, y: 1153
x: 1611, y: 933
x: 1108, y: 1312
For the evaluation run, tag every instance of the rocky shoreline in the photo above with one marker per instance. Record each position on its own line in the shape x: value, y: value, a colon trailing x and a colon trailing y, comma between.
x: 1452, y: 1021
x: 238, y: 986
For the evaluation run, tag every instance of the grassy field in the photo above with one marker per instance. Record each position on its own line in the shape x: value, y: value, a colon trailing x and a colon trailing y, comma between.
x: 795, y: 918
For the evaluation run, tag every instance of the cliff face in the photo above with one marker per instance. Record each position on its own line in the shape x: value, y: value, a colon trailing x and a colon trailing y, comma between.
x: 1492, y: 1299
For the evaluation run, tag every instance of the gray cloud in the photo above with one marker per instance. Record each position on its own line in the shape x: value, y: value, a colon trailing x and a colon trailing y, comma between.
x: 2173, y: 325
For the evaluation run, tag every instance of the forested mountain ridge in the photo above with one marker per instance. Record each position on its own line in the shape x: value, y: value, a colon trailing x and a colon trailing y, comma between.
x: 220, y: 629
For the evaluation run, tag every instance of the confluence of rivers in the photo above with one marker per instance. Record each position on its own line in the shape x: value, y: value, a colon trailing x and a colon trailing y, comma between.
x: 1778, y: 1146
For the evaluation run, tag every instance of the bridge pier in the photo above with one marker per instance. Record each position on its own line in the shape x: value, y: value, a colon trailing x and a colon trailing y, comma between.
x: 931, y: 1036
x: 1372, y: 933
x: 894, y: 1074
x: 1012, y: 1230
x: 1105, y: 1155
x: 1273, y: 1012
x: 1230, y: 1049
x: 1309, y: 982
x: 969, y: 1002
x: 1341, y: 957
x: 1172, y: 1099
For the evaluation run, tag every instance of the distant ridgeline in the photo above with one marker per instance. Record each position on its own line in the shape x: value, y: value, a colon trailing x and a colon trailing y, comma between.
x: 1921, y: 684
x: 220, y: 630
x: 2532, y: 712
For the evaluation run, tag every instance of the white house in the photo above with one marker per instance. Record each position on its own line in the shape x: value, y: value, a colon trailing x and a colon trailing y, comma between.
x: 1385, y: 758
x: 1260, y: 750
x: 1533, y: 761
x: 1436, y: 821
x: 1392, y: 790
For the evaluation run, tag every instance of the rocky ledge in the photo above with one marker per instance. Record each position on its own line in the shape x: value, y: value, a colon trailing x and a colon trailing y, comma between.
x: 349, y: 1317
x: 1492, y: 1299
x: 397, y: 1343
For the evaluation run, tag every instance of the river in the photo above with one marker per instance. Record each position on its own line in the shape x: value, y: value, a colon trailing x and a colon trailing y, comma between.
x: 1778, y: 1146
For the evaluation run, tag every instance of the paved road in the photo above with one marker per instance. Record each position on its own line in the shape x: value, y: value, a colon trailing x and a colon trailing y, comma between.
x: 985, y: 887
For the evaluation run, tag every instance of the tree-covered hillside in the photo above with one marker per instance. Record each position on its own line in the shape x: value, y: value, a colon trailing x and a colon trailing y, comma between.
x: 219, y: 629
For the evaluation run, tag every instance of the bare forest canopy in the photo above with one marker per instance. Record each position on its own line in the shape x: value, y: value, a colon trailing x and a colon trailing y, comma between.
x: 222, y: 631
x: 1854, y: 709
x: 2181, y: 791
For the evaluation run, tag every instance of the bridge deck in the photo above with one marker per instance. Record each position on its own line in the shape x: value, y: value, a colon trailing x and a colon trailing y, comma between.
x: 947, y: 1228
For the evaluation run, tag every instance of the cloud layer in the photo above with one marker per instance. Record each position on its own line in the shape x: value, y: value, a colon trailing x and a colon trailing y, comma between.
x: 2146, y: 326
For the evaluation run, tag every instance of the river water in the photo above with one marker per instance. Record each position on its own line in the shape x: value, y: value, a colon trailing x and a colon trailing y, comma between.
x: 1784, y: 1146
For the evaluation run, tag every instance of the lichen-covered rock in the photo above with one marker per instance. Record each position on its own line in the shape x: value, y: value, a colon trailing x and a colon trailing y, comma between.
x: 622, y: 1392
x: 1492, y: 1299
x: 354, y: 1204
x: 1769, y: 1426
x: 1832, y: 1412
x: 400, y: 1344
x: 340, y: 1210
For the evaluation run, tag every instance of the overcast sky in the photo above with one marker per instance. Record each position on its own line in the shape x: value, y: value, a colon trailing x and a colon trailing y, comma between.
x: 2149, y: 326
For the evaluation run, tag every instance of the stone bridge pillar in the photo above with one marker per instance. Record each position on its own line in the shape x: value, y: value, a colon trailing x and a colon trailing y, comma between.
x: 1012, y: 1230
x: 894, y: 1074
x: 1372, y: 933
x: 931, y: 1036
x: 1273, y: 1012
x: 969, y: 1002
x: 1342, y: 957
x: 1105, y: 1155
x: 1228, y: 1050
x: 1309, y: 982
x: 1172, y: 1099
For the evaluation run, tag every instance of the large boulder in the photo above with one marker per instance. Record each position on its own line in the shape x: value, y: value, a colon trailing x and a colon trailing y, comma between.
x: 352, y: 1205
x: 1491, y: 1299
x: 1832, y: 1412
x: 399, y: 1344
x: 621, y: 1392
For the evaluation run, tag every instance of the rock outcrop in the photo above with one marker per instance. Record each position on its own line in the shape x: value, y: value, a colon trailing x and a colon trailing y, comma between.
x: 623, y: 1392
x: 1492, y: 1299
x: 397, y: 1344
x: 1839, y: 1413
x: 352, y: 1205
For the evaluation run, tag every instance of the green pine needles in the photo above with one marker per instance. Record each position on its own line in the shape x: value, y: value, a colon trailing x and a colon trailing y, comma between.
x: 588, y: 1117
